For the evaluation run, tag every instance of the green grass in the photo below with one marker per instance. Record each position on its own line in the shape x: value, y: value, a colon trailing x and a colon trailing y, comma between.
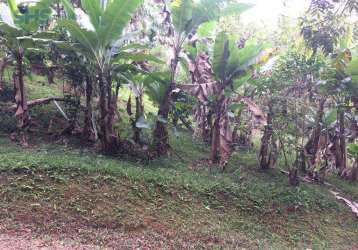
x: 259, y: 208
x: 55, y: 189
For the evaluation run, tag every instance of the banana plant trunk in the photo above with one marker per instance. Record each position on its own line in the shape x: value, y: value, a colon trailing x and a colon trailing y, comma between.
x: 354, y: 171
x: 109, y: 139
x: 264, y: 155
x: 20, y: 97
x: 88, y: 131
x: 3, y: 63
x: 138, y: 113
x: 354, y: 122
x: 215, y: 140
x: 311, y: 147
x: 221, y: 142
x: 342, y: 140
x: 160, y: 134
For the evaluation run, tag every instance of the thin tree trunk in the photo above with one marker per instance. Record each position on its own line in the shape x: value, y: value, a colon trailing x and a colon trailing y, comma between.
x: 311, y: 147
x: 138, y: 113
x: 3, y: 64
x: 20, y: 95
x: 215, y: 140
x: 87, y: 129
x: 51, y: 75
x: 20, y: 99
x: 160, y: 134
x: 354, y: 171
x: 108, y: 107
x: 342, y: 139
x: 264, y: 155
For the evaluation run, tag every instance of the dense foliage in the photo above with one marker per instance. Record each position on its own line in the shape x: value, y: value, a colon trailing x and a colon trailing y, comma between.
x: 200, y: 71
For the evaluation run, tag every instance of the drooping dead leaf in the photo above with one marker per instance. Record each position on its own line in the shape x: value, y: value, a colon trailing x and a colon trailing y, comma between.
x: 203, y: 88
x: 254, y: 109
x: 351, y: 204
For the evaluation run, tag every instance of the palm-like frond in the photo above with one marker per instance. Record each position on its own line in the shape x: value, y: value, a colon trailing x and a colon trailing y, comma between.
x: 157, y: 85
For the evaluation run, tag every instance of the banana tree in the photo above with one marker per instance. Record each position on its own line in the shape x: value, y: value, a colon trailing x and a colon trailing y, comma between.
x: 4, y: 61
x: 352, y: 173
x: 98, y: 42
x: 77, y: 70
x: 187, y: 17
x: 340, y: 86
x: 231, y: 66
x: 137, y: 88
x: 20, y: 32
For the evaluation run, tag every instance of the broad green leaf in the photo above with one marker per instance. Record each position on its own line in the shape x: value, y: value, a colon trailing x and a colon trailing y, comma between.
x: 133, y: 46
x: 86, y: 38
x: 13, y: 6
x: 70, y: 11
x: 191, y: 51
x: 184, y: 64
x: 115, y: 18
x: 352, y: 69
x: 330, y: 117
x: 137, y: 57
x: 157, y: 84
x: 34, y: 16
x: 207, y: 29
x: 249, y: 53
x: 353, y: 149
x: 182, y: 14
x: 8, y: 30
x: 94, y: 11
x: 221, y: 55
x: 210, y: 10
x: 236, y: 106
x: 240, y: 81
x: 142, y: 123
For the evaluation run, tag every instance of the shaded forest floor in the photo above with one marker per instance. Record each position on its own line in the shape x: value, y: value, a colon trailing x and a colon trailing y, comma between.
x: 58, y: 194
x: 63, y: 197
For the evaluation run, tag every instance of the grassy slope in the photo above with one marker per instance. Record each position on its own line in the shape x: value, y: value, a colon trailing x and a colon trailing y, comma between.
x: 175, y: 200
x: 57, y: 191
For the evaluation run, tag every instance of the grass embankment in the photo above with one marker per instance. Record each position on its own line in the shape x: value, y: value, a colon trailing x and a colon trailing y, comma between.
x: 57, y: 192
x: 174, y: 201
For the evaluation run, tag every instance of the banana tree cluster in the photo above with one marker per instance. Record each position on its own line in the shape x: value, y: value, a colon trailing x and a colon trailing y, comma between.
x: 20, y: 30
x: 214, y: 87
x: 187, y: 16
x: 99, y: 41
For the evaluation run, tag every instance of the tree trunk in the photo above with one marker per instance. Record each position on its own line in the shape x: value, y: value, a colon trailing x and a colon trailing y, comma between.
x: 354, y: 171
x: 311, y: 147
x: 342, y: 140
x: 139, y: 111
x: 51, y: 75
x: 3, y: 64
x: 354, y: 122
x: 160, y: 134
x: 20, y: 99
x: 215, y: 139
x: 108, y: 106
x: 204, y: 119
x: 88, y: 132
x: 264, y: 155
x: 293, y: 177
